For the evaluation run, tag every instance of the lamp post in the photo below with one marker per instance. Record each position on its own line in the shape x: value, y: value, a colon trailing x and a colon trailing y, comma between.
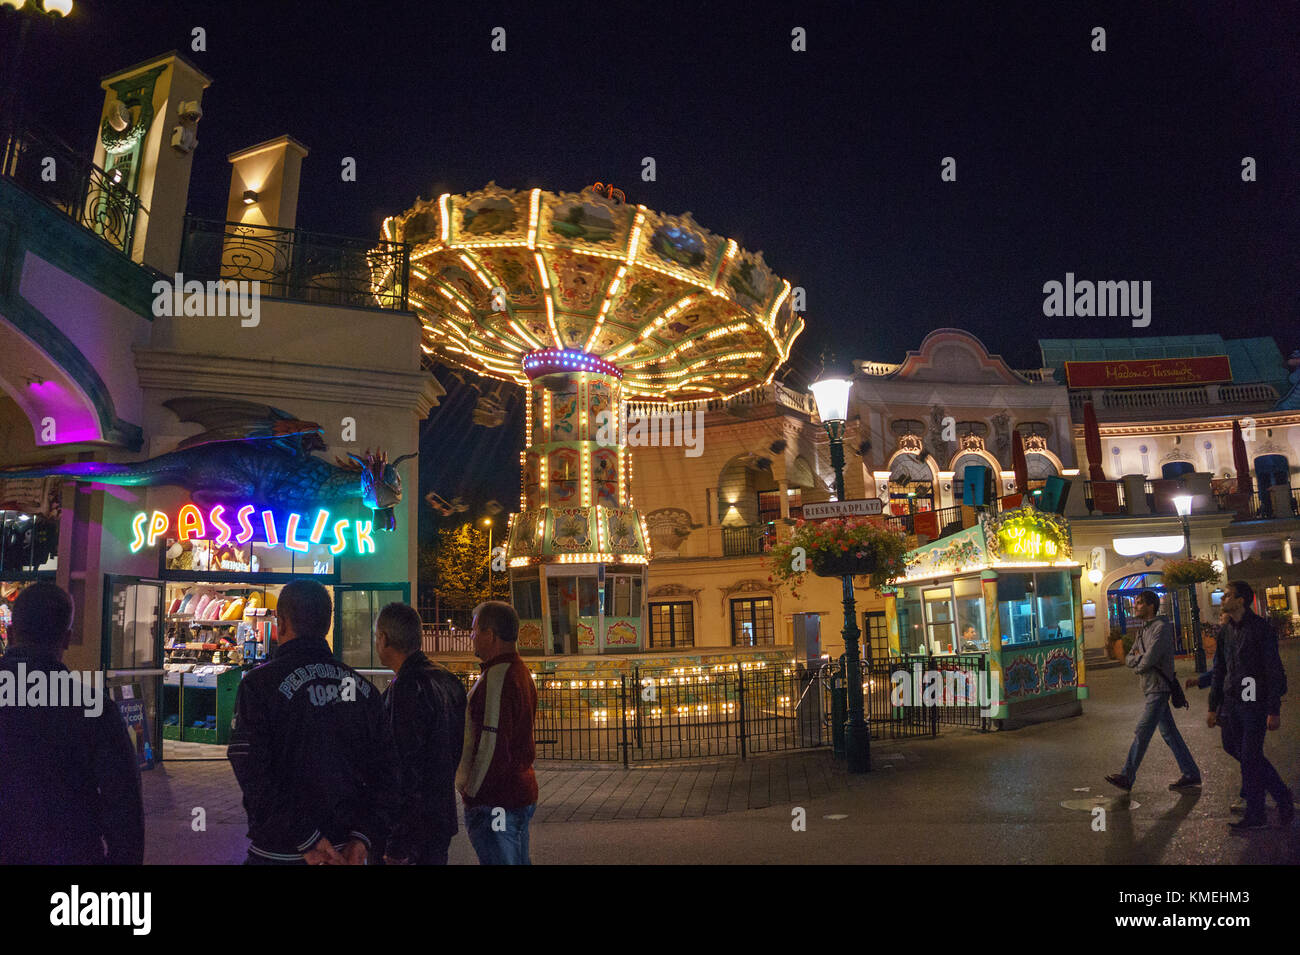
x: 487, y: 522
x: 12, y: 102
x: 1183, y: 503
x: 831, y: 392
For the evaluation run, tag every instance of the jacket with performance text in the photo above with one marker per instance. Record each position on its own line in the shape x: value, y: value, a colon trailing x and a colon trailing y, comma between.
x: 312, y: 754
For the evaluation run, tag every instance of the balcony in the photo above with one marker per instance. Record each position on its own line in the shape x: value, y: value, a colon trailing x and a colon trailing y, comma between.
x: 298, y: 265
x: 747, y: 540
x: 1284, y: 505
x: 53, y: 172
x: 1141, y: 403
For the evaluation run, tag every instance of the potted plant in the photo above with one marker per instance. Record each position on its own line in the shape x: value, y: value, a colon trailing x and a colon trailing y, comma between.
x: 838, y: 547
x: 1115, y: 645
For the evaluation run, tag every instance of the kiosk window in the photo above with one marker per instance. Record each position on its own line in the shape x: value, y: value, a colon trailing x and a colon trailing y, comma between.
x: 970, y: 614
x: 1035, y: 607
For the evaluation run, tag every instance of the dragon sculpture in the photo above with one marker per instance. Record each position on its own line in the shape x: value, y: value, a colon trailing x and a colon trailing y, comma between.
x: 250, y: 453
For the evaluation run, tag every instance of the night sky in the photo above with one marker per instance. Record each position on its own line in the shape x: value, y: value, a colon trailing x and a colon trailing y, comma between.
x: 1122, y: 165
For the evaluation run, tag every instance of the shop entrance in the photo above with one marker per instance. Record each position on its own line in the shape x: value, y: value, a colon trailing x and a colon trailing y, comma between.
x: 356, y: 608
x: 1122, y: 614
x: 132, y: 658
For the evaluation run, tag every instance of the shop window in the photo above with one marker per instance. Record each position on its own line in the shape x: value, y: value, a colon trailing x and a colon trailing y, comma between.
x: 911, y: 621
x: 672, y: 624
x: 588, y: 597
x: 528, y: 598
x: 1035, y: 607
x: 134, y: 624
x: 622, y: 595
x: 355, y: 614
x: 977, y: 428
x: 769, y: 505
x: 875, y: 634
x: 751, y: 622
x: 28, y: 542
x: 969, y: 600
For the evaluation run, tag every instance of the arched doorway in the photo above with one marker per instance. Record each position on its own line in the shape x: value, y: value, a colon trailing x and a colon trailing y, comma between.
x: 1121, y: 595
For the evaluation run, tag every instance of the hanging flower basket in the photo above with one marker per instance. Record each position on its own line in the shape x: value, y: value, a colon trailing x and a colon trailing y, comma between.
x: 1188, y: 571
x: 839, y: 565
x: 836, y: 548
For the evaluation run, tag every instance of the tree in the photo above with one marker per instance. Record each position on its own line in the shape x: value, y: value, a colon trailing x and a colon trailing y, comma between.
x: 459, y: 564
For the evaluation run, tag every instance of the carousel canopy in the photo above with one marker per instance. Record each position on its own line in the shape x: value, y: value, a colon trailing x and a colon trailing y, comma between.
x: 682, y: 313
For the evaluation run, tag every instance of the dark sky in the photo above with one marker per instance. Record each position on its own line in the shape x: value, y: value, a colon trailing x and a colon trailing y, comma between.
x: 1117, y: 165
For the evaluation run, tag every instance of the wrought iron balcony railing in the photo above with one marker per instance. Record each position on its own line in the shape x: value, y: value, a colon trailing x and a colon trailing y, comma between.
x: 52, y: 171
x: 297, y: 264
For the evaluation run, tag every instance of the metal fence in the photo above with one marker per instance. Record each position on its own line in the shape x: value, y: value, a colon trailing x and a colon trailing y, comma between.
x: 297, y: 264
x: 660, y: 713
x: 94, y: 199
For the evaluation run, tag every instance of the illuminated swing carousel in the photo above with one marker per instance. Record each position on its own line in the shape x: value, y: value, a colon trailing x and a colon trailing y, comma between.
x: 587, y: 302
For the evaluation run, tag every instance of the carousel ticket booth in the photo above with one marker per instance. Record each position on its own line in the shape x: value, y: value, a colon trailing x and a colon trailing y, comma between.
x: 1006, y: 591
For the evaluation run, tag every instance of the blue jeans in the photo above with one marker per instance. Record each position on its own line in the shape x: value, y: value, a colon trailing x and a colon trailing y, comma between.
x: 1158, y: 714
x: 506, y: 842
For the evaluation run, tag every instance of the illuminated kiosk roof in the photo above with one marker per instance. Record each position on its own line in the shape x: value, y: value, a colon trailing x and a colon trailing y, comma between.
x: 684, y: 314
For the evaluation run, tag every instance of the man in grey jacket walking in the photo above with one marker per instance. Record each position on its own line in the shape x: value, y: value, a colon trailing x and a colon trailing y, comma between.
x: 1152, y: 657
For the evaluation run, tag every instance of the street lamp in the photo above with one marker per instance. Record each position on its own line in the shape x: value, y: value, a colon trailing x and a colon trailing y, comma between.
x: 12, y: 102
x: 831, y: 391
x: 1183, y: 504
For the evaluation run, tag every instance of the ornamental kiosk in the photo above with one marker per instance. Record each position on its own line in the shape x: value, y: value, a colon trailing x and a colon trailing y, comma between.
x: 1007, y: 591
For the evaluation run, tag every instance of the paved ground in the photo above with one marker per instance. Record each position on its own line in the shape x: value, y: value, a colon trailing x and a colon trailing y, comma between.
x: 965, y: 797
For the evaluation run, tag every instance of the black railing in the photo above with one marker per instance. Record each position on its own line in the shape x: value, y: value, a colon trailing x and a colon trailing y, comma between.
x: 956, y: 696
x: 661, y: 713
x: 50, y: 170
x: 297, y: 264
x: 652, y: 714
x: 1246, y: 507
x: 746, y: 540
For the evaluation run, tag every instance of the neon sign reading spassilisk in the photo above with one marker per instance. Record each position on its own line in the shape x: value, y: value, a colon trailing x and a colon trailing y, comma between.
x: 224, y: 525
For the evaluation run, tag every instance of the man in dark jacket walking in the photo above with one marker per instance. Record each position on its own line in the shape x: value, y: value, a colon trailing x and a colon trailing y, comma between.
x: 1246, y: 699
x: 69, y: 775
x: 424, y: 707
x: 309, y: 746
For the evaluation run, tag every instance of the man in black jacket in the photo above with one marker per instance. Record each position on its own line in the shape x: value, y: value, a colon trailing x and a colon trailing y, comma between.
x: 69, y: 775
x: 309, y: 746
x: 425, y: 710
x: 1246, y: 698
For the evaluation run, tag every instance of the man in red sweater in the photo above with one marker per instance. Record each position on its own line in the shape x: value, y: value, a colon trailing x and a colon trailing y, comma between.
x: 496, y: 777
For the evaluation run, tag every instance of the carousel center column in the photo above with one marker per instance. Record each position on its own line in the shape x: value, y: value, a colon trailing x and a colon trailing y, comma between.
x: 578, y: 550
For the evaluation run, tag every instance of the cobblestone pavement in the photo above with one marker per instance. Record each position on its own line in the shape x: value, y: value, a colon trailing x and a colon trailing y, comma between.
x: 964, y: 797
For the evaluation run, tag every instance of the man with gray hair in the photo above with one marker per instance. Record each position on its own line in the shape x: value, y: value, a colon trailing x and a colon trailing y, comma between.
x: 425, y: 710
x: 496, y: 777
x: 1152, y: 657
